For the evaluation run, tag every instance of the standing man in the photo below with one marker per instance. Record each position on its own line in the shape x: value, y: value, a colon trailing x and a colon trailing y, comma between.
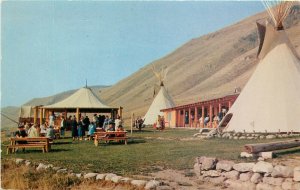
x: 63, y: 125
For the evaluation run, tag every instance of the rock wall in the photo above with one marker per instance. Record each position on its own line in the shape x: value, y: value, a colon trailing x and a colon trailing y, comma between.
x: 253, y: 176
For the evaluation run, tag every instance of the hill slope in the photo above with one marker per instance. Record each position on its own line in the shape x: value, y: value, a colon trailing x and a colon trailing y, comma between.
x: 204, y: 68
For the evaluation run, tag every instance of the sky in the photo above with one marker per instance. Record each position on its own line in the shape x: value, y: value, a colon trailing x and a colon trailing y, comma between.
x: 48, y: 47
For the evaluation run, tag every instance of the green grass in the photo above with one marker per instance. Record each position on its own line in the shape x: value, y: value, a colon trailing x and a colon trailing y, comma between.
x: 141, y: 155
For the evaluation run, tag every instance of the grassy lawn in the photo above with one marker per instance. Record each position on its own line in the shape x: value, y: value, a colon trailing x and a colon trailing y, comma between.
x: 141, y: 156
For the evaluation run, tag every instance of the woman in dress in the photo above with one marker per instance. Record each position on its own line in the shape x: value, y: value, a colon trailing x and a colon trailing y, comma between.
x: 74, y: 128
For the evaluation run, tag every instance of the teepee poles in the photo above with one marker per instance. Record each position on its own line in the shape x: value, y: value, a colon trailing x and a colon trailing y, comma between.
x: 278, y: 11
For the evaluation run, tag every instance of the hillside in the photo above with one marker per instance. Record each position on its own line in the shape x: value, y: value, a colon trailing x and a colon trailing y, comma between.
x: 204, y: 68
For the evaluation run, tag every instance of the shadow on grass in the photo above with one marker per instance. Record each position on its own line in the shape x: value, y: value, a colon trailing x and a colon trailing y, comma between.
x: 39, y: 151
x: 129, y: 142
x: 142, y: 131
x: 59, y: 143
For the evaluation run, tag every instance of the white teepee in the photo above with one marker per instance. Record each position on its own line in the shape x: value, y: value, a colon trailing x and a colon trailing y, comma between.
x: 270, y: 101
x: 161, y: 101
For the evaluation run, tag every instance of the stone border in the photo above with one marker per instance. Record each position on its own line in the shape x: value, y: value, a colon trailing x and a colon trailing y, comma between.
x: 253, y: 176
x: 243, y: 136
x: 146, y: 184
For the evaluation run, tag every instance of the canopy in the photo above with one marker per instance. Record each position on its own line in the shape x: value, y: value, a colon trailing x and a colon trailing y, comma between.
x: 26, y: 111
x: 84, y: 98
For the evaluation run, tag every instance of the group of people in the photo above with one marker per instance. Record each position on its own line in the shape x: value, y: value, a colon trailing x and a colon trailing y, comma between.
x: 28, y: 129
x: 84, y: 127
x: 216, y: 119
x: 139, y: 123
x: 107, y: 124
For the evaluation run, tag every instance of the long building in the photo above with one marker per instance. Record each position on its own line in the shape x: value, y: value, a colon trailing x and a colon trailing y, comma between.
x: 188, y: 115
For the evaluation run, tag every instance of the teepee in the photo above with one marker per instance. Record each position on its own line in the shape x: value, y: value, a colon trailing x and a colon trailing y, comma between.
x: 161, y: 101
x: 270, y: 101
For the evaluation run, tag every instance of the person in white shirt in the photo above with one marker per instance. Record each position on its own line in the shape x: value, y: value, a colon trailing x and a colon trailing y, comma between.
x: 118, y: 122
x: 34, y: 131
x: 63, y: 126
x: 51, y: 119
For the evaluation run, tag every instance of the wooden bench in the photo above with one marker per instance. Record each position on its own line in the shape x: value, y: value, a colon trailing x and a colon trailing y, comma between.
x: 29, y: 142
x: 110, y: 136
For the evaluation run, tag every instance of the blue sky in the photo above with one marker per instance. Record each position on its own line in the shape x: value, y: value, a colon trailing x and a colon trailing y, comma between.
x: 53, y: 46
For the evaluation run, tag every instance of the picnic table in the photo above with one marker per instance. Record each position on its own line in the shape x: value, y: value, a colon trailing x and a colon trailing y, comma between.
x: 29, y: 142
x: 110, y: 136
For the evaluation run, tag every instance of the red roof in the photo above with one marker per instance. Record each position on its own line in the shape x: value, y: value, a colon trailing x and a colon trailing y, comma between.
x: 203, y: 103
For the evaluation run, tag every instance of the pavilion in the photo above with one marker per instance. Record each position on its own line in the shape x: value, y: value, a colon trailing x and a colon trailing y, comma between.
x: 83, y: 100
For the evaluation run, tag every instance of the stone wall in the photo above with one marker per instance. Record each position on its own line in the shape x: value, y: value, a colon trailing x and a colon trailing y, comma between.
x: 250, y: 136
x: 208, y: 133
x: 253, y: 176
x: 137, y: 183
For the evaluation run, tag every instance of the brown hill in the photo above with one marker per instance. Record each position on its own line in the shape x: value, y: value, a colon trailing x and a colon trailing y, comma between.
x: 204, y: 68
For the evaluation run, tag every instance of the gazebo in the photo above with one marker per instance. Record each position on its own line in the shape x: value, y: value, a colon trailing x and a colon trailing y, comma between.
x: 83, y: 100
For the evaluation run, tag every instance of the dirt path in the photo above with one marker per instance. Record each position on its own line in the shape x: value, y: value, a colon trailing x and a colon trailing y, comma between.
x: 183, y: 180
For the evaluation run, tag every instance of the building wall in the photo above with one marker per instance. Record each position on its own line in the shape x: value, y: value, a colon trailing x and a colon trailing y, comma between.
x: 170, y: 119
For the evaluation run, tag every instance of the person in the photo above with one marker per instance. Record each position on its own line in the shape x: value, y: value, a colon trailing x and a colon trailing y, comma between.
x: 215, y: 121
x: 92, y: 130
x: 206, y: 120
x: 44, y: 128
x: 86, y: 122
x: 80, y: 128
x: 21, y: 132
x: 105, y: 123
x: 158, y: 122
x: 186, y: 118
x: 74, y: 128
x: 51, y: 119
x: 63, y: 125
x: 162, y: 122
x: 96, y: 120
x: 50, y: 132
x: 101, y: 119
x: 34, y: 131
x: 220, y: 115
x: 120, y: 129
x: 111, y: 127
x: 27, y: 127
x: 201, y: 122
x: 118, y: 121
x: 139, y: 123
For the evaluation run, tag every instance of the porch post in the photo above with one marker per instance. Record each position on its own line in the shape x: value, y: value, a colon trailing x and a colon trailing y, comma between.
x: 190, y: 117
x: 35, y: 115
x: 202, y: 117
x: 41, y: 116
x: 210, y: 115
x: 77, y: 114
x: 196, y: 116
x: 183, y: 118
